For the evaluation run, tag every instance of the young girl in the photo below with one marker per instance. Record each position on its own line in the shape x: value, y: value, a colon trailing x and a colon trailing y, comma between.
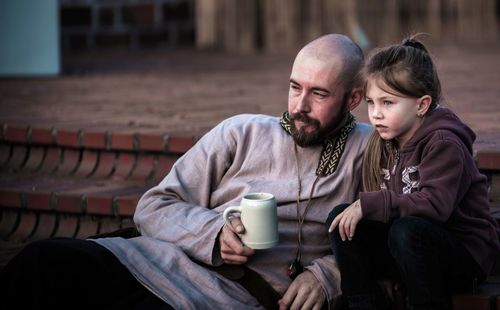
x: 423, y: 217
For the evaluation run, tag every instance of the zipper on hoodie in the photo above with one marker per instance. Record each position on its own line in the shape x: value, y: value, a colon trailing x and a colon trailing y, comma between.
x: 396, y: 161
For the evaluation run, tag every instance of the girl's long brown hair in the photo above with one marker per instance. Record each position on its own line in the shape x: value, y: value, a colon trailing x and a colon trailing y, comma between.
x: 407, y: 69
x: 372, y: 172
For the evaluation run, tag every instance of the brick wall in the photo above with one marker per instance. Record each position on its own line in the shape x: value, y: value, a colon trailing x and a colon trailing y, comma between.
x: 89, y: 24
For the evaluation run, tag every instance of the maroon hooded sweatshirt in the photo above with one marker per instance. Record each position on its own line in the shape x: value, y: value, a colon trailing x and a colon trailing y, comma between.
x: 434, y: 176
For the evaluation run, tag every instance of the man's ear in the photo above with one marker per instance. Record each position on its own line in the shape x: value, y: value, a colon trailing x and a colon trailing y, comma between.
x: 354, y: 98
x: 423, y: 105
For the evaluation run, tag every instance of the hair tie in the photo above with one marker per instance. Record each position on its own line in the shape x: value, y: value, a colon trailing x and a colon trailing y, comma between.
x: 415, y: 44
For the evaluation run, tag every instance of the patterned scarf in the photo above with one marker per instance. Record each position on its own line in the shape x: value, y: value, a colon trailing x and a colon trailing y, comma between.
x: 333, y: 146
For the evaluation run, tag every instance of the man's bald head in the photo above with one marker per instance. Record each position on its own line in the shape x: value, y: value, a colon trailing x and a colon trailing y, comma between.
x: 323, y: 88
x: 337, y: 50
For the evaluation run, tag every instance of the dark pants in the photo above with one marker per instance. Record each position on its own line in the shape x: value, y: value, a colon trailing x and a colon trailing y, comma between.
x: 68, y: 273
x: 430, y: 261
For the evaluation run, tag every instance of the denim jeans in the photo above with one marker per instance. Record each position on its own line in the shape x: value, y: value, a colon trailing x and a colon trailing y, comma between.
x: 425, y: 256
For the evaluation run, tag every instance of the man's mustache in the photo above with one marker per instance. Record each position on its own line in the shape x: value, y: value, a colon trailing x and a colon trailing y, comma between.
x: 304, y: 119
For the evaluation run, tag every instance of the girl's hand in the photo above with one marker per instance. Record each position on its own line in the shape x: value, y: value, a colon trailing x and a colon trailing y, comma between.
x: 347, y: 221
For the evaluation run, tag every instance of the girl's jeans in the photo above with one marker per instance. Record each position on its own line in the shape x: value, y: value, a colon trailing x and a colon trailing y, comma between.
x: 428, y: 259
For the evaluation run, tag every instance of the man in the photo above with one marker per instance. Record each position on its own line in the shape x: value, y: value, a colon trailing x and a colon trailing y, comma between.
x: 309, y: 159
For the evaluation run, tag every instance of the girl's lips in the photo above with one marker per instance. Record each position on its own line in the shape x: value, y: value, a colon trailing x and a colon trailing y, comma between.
x: 381, y: 128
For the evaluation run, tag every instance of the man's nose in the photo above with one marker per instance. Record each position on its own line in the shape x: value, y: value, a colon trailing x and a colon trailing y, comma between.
x: 303, y: 104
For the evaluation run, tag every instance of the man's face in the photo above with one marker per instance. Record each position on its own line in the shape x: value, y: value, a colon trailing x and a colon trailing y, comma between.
x: 316, y: 103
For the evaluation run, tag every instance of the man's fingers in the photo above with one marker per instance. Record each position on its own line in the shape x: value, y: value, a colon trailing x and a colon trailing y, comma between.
x: 316, y: 307
x: 230, y: 238
x: 234, y: 259
x: 310, y: 302
x: 299, y: 302
x: 286, y: 301
x: 231, y: 249
x: 240, y: 256
x: 231, y: 243
x: 237, y: 225
x: 237, y: 250
x: 304, y: 293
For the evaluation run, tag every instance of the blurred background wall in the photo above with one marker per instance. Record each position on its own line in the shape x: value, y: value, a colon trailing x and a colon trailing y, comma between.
x: 29, y: 37
x: 33, y: 33
x: 89, y: 24
x: 271, y: 25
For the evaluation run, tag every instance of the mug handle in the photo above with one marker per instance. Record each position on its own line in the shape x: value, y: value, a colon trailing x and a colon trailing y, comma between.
x: 228, y: 211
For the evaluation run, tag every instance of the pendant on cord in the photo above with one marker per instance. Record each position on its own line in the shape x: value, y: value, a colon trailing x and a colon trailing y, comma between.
x: 294, y: 269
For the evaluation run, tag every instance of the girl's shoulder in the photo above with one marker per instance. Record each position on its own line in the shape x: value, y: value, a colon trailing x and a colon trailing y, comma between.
x: 445, y: 143
x: 444, y: 126
x: 443, y: 136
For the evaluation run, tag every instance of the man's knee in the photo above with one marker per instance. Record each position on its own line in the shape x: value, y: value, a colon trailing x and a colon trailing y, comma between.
x: 35, y: 250
x: 42, y: 248
x: 27, y: 265
x: 49, y: 252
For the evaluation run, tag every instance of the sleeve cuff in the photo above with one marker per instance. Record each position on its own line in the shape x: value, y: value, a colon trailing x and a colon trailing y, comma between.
x: 216, y: 257
x: 330, y: 285
x: 373, y: 205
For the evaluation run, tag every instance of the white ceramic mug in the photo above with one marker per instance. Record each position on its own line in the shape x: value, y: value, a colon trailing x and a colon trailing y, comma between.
x: 260, y: 218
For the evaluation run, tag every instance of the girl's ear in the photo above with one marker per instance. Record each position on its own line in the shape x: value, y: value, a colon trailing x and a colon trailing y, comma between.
x: 354, y: 99
x: 424, y: 103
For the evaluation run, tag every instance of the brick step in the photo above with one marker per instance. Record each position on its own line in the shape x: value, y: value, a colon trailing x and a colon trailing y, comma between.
x: 118, y: 140
x: 476, y: 302
x: 19, y: 226
x: 77, y: 182
x: 82, y: 182
x: 26, y: 161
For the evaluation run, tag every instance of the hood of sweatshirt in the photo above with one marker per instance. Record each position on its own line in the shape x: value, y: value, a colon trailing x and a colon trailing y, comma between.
x: 442, y: 118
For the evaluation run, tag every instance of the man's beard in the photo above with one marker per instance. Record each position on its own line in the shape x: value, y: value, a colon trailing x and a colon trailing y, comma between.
x: 319, y: 134
x: 300, y: 136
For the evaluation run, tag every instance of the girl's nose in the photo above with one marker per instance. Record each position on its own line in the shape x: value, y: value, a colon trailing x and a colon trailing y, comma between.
x: 376, y: 113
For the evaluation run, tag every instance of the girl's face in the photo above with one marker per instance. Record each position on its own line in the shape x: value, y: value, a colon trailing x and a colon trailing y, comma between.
x: 393, y: 116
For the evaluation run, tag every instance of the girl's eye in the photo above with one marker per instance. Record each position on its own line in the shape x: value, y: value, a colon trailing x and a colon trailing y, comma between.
x: 369, y: 101
x: 387, y: 102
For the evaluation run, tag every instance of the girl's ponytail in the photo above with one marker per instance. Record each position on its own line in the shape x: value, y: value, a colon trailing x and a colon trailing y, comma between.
x: 412, y: 42
x: 407, y: 68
